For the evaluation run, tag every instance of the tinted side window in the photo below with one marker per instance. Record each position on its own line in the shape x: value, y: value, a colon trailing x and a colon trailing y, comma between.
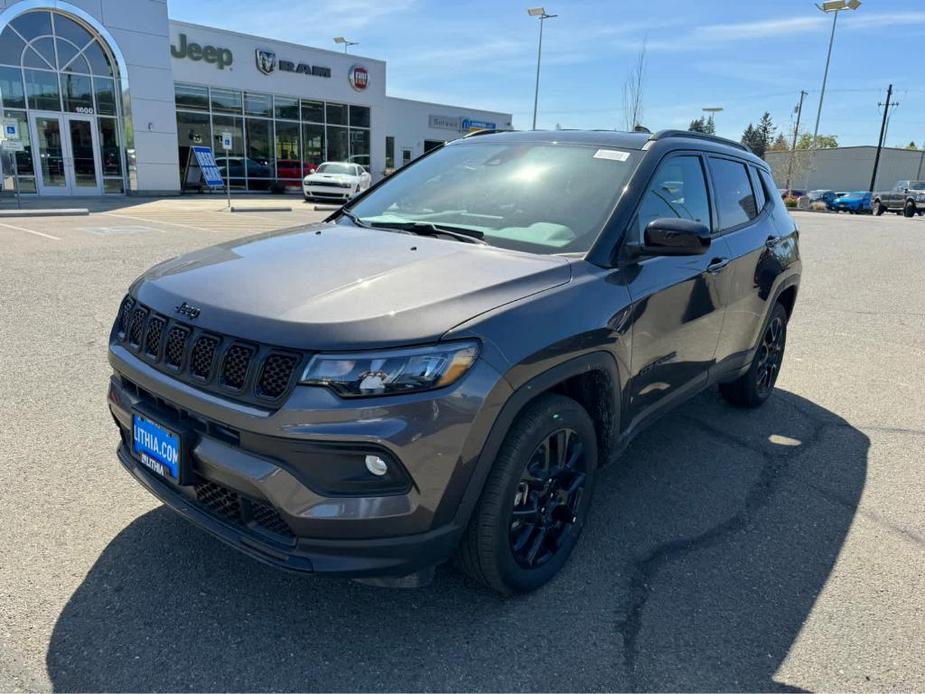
x: 732, y: 190
x: 678, y: 190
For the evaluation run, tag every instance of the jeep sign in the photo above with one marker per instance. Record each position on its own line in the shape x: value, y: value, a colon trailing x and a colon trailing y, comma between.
x: 210, y: 54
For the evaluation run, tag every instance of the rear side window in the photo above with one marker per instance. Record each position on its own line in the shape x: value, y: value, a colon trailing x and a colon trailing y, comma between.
x: 678, y: 190
x: 732, y: 189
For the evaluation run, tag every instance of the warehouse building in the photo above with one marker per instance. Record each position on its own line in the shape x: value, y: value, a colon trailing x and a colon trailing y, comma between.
x: 109, y: 97
x: 847, y: 168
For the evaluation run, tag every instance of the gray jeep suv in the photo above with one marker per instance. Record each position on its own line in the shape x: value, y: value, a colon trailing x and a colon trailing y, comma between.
x: 440, y: 368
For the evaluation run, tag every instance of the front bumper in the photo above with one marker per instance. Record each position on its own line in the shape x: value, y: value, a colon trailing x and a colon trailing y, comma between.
x: 327, y: 192
x: 254, y: 482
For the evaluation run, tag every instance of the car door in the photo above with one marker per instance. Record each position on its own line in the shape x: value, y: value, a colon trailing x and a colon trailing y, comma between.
x: 760, y: 236
x: 676, y: 312
x: 898, y: 195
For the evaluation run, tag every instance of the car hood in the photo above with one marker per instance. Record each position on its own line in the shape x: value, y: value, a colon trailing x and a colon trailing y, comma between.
x: 340, y: 287
x: 339, y: 178
x: 851, y: 198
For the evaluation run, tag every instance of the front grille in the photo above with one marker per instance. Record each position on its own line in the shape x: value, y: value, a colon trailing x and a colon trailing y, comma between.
x: 136, y: 326
x: 267, y: 518
x: 327, y: 184
x: 275, y: 375
x: 258, y: 374
x: 231, y: 506
x: 202, y: 357
x: 125, y: 312
x: 234, y: 368
x: 176, y: 346
x: 153, y: 336
x: 220, y: 500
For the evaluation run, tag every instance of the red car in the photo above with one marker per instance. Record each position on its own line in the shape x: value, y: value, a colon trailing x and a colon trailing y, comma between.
x: 293, y: 168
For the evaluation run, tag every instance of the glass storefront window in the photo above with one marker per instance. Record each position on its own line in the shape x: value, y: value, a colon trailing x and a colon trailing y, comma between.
x: 32, y: 24
x: 192, y: 129
x: 288, y: 148
x: 11, y: 87
x: 313, y: 144
x: 109, y: 147
x: 359, y: 147
x: 226, y: 101
x: 313, y: 111
x: 259, y: 149
x: 338, y: 149
x: 191, y: 96
x: 99, y: 63
x: 287, y: 107
x: 389, y: 153
x: 77, y: 91
x: 11, y: 47
x: 72, y: 31
x: 337, y: 114
x: 258, y: 104
x: 233, y: 163
x: 24, y: 158
x: 105, y: 96
x: 42, y: 90
x: 359, y: 116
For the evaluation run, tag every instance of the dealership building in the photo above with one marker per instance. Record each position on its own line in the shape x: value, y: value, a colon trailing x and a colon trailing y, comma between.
x: 110, y: 96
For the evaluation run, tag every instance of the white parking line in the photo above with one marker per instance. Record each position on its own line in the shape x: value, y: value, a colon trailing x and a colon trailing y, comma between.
x: 29, y: 231
x: 157, y: 221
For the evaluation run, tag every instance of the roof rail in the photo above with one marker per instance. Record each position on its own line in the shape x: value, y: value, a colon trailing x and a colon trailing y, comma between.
x: 665, y: 134
x: 483, y: 131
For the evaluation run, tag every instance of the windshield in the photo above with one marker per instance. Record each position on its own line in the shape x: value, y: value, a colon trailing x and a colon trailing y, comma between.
x: 348, y: 169
x: 917, y: 185
x: 537, y: 197
x: 858, y: 194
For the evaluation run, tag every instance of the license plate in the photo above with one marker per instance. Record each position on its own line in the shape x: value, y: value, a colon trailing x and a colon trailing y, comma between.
x: 157, y: 447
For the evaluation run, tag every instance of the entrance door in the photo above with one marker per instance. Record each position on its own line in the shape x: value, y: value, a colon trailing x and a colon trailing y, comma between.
x: 67, y: 148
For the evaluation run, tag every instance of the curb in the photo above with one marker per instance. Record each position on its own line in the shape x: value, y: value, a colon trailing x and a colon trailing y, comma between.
x: 63, y: 212
x: 258, y: 209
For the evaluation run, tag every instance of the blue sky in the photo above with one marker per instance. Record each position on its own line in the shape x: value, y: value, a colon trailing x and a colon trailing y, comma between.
x: 747, y: 56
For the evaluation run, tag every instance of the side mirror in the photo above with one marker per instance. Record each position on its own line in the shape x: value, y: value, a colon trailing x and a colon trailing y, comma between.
x: 668, y: 236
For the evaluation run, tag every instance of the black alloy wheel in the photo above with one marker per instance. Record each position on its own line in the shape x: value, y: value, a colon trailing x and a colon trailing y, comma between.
x: 535, y: 501
x: 770, y: 355
x: 548, y: 498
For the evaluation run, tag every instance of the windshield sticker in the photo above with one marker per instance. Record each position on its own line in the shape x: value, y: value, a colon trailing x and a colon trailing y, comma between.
x: 614, y: 154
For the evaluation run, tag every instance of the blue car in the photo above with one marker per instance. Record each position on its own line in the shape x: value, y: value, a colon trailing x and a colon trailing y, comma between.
x: 855, y: 203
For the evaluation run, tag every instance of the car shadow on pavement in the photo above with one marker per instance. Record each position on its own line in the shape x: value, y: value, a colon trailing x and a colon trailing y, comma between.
x: 708, y: 543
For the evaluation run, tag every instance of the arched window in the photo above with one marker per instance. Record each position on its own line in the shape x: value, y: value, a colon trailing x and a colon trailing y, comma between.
x: 51, y: 62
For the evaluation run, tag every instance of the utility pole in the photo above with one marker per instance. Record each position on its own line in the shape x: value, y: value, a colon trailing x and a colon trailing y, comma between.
x: 886, y: 112
x: 796, y: 134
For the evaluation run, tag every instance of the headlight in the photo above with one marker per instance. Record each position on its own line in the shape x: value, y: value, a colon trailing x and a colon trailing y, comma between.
x: 920, y: 197
x: 393, y: 371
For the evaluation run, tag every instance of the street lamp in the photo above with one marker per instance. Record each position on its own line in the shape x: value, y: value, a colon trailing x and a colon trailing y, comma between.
x: 541, y: 13
x: 712, y: 110
x: 832, y: 7
x: 341, y: 39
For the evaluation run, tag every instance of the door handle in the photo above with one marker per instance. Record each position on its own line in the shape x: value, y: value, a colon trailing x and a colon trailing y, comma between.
x: 772, y: 241
x: 716, y: 265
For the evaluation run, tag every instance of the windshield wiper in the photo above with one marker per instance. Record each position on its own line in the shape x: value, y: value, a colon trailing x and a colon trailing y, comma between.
x: 432, y: 229
x: 353, y: 218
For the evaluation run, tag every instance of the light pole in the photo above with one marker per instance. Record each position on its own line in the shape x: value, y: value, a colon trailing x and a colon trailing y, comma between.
x: 712, y: 110
x: 541, y: 13
x: 832, y: 7
x: 341, y: 39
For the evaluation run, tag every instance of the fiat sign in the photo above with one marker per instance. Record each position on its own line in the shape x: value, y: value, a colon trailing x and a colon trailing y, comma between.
x: 359, y: 77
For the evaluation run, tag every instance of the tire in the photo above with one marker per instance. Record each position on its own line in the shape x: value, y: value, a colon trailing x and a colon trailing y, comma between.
x: 755, y: 386
x: 497, y: 546
x: 878, y: 208
x: 909, y: 209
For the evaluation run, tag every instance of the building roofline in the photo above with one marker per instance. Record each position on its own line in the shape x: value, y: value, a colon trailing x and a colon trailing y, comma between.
x: 300, y: 46
x: 442, y: 105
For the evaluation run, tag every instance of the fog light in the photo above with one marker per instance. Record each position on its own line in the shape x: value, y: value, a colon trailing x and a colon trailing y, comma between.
x: 376, y: 465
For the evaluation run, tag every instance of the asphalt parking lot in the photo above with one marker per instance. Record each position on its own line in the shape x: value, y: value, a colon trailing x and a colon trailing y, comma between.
x: 776, y: 549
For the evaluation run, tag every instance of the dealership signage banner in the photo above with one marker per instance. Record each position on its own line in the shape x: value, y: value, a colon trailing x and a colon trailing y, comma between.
x: 472, y: 124
x: 210, y: 171
x: 444, y: 122
x: 220, y: 57
x: 268, y: 63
